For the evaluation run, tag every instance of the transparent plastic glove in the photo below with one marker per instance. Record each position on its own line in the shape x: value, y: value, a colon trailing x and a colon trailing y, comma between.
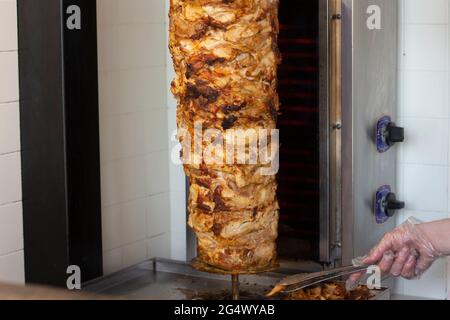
x: 406, y: 251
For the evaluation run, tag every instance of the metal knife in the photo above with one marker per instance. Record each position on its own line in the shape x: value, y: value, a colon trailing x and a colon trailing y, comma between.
x: 301, y: 281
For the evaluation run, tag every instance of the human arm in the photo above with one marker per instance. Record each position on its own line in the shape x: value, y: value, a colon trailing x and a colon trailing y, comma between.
x: 410, y: 249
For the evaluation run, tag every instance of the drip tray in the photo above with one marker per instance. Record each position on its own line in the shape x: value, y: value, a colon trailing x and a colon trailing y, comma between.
x: 160, y: 279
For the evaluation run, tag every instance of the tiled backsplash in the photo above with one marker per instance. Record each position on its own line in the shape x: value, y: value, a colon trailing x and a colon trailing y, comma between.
x: 177, y: 176
x: 424, y: 112
x: 11, y: 230
x: 133, y: 127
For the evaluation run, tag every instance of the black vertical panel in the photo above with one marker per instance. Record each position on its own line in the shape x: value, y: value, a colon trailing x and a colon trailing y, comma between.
x: 59, y: 135
x: 42, y: 137
x: 82, y: 139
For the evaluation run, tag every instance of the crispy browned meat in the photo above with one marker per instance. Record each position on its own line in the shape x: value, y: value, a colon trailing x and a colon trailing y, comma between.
x: 331, y: 291
x: 225, y: 57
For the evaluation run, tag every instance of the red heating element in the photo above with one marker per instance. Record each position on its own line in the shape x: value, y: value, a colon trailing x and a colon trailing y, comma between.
x: 299, y: 131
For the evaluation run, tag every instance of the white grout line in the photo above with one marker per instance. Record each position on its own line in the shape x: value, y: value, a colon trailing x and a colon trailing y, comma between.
x: 425, y: 70
x: 426, y: 23
x: 134, y: 199
x: 421, y: 164
x: 425, y: 118
x: 8, y: 103
x: 11, y: 253
x: 10, y: 203
x: 136, y: 156
x: 10, y: 153
x: 136, y: 68
x: 141, y: 110
x: 127, y: 24
x: 136, y: 242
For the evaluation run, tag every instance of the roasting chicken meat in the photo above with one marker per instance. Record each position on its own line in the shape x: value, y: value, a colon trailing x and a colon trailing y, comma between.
x: 331, y: 291
x: 225, y: 57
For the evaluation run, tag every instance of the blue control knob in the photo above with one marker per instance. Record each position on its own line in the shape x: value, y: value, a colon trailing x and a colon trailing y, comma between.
x: 386, y: 204
x: 388, y: 134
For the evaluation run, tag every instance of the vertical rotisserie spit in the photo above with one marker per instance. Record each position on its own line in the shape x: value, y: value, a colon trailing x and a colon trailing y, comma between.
x: 225, y: 56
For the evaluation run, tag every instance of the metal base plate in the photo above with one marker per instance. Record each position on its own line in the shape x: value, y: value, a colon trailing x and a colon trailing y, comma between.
x: 160, y: 279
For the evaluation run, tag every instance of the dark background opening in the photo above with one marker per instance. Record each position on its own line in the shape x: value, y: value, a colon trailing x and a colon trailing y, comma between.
x: 299, y: 175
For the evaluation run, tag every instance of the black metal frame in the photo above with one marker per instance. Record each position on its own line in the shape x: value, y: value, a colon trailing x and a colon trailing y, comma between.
x: 60, y: 141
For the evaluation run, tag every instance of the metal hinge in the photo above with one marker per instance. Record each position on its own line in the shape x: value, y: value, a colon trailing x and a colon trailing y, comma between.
x: 336, y: 16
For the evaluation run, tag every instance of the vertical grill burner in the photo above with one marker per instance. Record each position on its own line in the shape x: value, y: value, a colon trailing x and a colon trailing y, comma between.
x: 299, y: 130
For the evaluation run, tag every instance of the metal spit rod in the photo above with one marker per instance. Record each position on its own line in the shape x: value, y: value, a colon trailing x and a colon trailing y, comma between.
x: 235, y: 287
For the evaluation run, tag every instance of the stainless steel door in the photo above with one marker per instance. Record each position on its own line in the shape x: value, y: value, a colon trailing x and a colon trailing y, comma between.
x: 370, y: 42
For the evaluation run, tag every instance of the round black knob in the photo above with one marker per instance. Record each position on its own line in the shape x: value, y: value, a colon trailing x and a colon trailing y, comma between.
x: 392, y: 204
x: 394, y: 134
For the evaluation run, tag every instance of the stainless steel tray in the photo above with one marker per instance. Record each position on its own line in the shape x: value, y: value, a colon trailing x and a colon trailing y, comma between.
x: 160, y: 279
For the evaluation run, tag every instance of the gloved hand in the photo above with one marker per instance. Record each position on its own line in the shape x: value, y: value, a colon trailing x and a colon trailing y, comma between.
x: 406, y: 251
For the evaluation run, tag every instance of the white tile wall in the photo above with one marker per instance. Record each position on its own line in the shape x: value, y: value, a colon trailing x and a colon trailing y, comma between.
x: 133, y: 131
x: 11, y: 226
x: 8, y: 23
x: 10, y: 177
x: 421, y: 12
x: 113, y: 260
x: 178, y: 223
x: 11, y: 229
x: 159, y: 246
x: 157, y: 171
x: 427, y: 94
x: 112, y: 227
x: 9, y: 76
x: 425, y: 187
x: 139, y: 12
x: 9, y: 128
x: 134, y: 253
x: 122, y: 180
x: 128, y: 46
x: 424, y: 162
x: 134, y: 221
x: 419, y: 39
x: 157, y: 206
x: 12, y: 268
x: 123, y: 134
x: 425, y: 146
x: 129, y: 89
x: 177, y: 176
